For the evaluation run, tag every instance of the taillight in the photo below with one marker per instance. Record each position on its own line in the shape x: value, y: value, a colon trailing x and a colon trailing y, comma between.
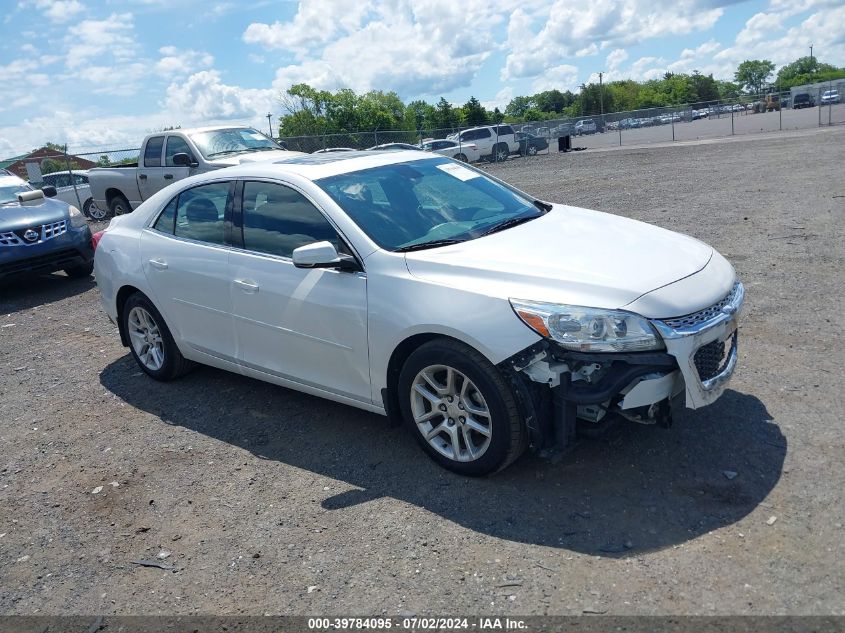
x: 95, y: 239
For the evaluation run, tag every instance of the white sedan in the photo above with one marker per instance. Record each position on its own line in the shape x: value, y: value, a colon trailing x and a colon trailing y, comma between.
x: 411, y: 285
x: 464, y: 152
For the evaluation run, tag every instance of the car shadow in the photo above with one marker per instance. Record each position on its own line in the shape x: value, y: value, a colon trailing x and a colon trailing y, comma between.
x: 26, y: 292
x: 638, y: 488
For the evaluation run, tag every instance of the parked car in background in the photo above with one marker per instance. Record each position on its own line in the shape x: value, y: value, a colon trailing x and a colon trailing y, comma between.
x: 803, y: 100
x: 529, y: 144
x: 170, y: 156
x: 585, y: 126
x: 409, y: 285
x: 387, y: 146
x: 465, y: 152
x: 495, y: 142
x: 39, y: 234
x: 72, y: 187
x: 328, y: 150
x: 830, y: 97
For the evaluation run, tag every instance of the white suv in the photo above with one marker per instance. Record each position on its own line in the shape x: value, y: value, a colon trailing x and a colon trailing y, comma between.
x: 495, y: 142
x: 585, y: 126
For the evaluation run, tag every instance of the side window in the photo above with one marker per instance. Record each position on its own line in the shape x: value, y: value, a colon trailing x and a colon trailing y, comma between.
x: 49, y: 179
x: 200, y: 212
x: 175, y: 145
x: 505, y: 129
x: 166, y: 220
x: 485, y: 133
x: 278, y: 219
x: 79, y: 179
x: 152, y: 153
x: 62, y: 180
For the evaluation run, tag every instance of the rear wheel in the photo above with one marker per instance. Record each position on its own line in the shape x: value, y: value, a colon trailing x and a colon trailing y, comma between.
x: 532, y: 150
x: 460, y: 409
x: 119, y: 205
x: 501, y: 152
x: 150, y: 340
x: 461, y: 157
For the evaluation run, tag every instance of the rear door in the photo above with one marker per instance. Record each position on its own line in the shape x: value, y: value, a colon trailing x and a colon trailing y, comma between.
x: 185, y: 257
x: 150, y: 170
x: 303, y: 325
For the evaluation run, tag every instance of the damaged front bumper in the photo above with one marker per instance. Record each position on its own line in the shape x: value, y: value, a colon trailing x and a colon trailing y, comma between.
x: 699, y: 360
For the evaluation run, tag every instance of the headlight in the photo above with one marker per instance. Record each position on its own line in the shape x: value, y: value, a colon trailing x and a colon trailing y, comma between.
x: 588, y: 329
x: 77, y: 220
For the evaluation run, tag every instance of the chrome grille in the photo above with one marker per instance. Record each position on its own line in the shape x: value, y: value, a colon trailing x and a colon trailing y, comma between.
x: 44, y: 231
x: 702, y: 316
x: 10, y: 239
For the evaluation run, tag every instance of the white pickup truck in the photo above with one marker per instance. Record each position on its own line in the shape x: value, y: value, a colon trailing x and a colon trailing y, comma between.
x: 176, y: 154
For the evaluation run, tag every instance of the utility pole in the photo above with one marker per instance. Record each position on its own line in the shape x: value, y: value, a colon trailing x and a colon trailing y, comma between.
x: 269, y: 123
x: 811, y: 53
x: 601, y: 96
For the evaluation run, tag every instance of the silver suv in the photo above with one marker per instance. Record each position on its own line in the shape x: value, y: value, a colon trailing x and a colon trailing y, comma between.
x: 494, y: 142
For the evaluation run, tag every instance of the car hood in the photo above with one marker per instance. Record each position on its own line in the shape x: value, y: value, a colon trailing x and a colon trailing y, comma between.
x: 569, y: 255
x: 15, y: 216
x: 254, y: 157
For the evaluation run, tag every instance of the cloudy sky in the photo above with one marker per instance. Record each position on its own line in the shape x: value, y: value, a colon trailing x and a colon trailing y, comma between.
x: 97, y: 74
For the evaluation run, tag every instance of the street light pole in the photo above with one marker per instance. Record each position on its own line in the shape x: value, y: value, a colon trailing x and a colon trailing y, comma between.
x: 270, y: 124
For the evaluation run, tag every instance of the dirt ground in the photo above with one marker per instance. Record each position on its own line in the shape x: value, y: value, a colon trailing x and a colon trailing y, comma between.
x: 264, y: 500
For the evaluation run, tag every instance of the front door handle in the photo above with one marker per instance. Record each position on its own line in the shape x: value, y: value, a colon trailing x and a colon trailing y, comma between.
x: 168, y: 176
x: 158, y: 263
x: 142, y: 176
x: 247, y: 285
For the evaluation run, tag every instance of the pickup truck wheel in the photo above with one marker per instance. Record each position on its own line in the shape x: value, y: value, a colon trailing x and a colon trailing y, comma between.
x: 93, y: 212
x: 460, y: 409
x: 461, y: 157
x: 501, y: 153
x: 150, y: 341
x: 119, y: 205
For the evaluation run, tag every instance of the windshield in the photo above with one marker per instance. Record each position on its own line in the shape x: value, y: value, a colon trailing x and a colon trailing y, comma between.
x: 232, y: 141
x: 9, y: 193
x: 408, y: 205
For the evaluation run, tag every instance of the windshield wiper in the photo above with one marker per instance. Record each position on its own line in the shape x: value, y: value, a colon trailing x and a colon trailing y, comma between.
x: 543, y: 206
x: 229, y: 151
x: 424, y: 245
x: 506, y: 224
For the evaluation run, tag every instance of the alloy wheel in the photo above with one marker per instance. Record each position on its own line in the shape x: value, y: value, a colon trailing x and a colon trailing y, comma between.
x: 451, y: 414
x: 146, y: 338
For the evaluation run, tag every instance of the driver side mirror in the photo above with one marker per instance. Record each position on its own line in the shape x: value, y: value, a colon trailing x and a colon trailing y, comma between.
x: 184, y: 160
x: 322, y: 255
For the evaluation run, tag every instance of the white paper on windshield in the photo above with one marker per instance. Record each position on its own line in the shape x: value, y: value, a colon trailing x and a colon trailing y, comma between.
x: 254, y: 136
x: 458, y: 171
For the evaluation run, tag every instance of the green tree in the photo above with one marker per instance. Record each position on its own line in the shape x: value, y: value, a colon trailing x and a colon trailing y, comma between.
x: 474, y: 113
x: 103, y: 161
x: 753, y: 74
x: 517, y: 107
x: 807, y: 70
x: 444, y: 115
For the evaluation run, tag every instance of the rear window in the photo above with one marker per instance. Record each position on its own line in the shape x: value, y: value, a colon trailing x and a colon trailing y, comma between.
x: 152, y: 153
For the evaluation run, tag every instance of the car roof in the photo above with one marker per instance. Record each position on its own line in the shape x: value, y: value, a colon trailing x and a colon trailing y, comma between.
x: 316, y: 166
x: 10, y: 180
x: 83, y: 172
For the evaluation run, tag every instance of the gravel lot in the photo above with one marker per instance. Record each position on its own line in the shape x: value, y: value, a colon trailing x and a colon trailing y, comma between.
x: 271, y: 501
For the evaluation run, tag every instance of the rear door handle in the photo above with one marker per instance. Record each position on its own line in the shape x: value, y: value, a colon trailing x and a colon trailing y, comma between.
x: 142, y: 176
x: 246, y: 285
x: 158, y: 263
x: 168, y: 176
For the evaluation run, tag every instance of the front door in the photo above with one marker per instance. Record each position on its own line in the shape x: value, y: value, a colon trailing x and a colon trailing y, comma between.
x: 305, y: 325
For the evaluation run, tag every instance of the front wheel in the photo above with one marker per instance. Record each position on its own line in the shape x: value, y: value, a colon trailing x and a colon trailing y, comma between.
x: 150, y: 340
x: 460, y: 409
x: 80, y: 272
x: 532, y: 150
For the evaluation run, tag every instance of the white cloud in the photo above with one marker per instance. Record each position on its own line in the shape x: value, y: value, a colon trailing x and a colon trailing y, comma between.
x: 501, y: 100
x: 175, y: 62
x: 112, y: 38
x: 203, y: 97
x: 57, y: 10
x: 415, y: 47
x: 563, y: 77
x: 567, y: 29
x: 615, y: 58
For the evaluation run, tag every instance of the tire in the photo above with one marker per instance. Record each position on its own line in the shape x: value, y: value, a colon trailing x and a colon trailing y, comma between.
x: 478, y: 390
x: 119, y: 205
x: 93, y: 212
x: 532, y: 150
x: 80, y: 272
x: 501, y: 152
x: 150, y: 340
x: 461, y: 157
